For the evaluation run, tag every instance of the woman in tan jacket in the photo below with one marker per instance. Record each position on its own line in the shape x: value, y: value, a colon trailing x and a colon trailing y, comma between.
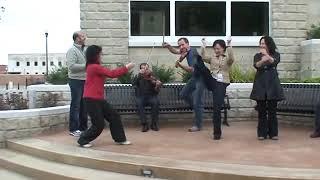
x: 220, y: 66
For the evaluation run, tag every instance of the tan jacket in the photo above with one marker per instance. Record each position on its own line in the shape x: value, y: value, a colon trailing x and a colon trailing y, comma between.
x: 221, y: 64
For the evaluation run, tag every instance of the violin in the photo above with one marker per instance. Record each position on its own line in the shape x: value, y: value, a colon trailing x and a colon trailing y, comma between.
x: 147, y: 75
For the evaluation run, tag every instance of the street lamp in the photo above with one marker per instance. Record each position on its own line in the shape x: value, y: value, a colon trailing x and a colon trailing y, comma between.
x: 46, y: 33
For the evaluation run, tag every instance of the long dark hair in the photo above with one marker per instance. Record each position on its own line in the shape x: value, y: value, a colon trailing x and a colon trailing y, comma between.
x: 270, y: 44
x: 221, y: 42
x: 92, y: 54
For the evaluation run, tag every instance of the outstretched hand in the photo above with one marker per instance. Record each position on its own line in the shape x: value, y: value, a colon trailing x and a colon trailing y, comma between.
x: 204, y: 42
x: 129, y: 66
x: 165, y: 45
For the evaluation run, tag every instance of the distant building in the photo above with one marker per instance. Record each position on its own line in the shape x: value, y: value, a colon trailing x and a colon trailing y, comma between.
x: 34, y: 64
x: 18, y: 81
x: 3, y: 69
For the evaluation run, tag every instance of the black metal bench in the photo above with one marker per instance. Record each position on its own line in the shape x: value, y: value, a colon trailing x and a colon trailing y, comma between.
x: 123, y: 99
x: 299, y: 98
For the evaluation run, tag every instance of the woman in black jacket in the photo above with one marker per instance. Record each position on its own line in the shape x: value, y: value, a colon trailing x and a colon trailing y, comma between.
x: 266, y: 88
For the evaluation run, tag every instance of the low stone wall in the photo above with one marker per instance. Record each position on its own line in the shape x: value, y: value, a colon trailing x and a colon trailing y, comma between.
x: 241, y: 105
x: 30, y: 122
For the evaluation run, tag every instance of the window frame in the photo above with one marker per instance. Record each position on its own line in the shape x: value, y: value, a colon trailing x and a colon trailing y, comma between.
x: 147, y: 41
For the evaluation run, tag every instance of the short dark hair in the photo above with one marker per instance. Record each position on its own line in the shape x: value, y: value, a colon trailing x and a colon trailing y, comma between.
x: 271, y: 45
x: 143, y: 64
x: 92, y: 54
x: 75, y: 35
x: 221, y: 42
x: 184, y: 39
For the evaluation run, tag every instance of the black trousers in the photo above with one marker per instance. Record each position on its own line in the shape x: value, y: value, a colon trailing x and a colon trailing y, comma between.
x: 218, y: 93
x: 268, y: 122
x: 99, y: 111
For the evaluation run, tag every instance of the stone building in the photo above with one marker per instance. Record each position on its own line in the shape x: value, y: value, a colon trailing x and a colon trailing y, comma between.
x: 129, y: 29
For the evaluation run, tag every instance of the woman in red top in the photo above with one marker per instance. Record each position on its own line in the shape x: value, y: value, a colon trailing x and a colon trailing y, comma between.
x: 98, y: 108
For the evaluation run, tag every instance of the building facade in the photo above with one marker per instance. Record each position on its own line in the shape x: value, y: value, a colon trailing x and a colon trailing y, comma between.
x: 3, y: 69
x: 132, y: 30
x: 35, y: 64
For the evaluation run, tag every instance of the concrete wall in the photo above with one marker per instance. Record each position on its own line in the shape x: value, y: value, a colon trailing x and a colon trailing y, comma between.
x: 30, y: 122
x: 313, y: 12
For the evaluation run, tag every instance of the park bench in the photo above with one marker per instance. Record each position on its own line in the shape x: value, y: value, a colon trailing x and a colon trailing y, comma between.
x: 122, y: 98
x: 299, y: 98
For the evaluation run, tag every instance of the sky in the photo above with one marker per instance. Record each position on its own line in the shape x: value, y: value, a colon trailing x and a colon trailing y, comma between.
x: 24, y: 23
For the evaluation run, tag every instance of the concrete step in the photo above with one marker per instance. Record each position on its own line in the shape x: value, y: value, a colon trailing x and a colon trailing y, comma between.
x: 44, y: 169
x: 10, y: 175
x: 160, y: 167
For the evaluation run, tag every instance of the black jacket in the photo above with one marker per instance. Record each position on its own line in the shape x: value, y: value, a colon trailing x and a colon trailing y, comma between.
x: 266, y: 84
x: 144, y: 87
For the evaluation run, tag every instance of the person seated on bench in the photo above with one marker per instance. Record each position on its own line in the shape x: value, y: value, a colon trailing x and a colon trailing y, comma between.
x: 316, y: 132
x: 147, y: 89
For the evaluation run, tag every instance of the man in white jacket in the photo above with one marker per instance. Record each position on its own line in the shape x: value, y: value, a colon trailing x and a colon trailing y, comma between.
x: 76, y: 63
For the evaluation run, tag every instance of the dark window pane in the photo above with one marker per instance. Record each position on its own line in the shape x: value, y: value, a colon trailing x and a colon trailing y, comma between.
x: 18, y: 63
x: 200, y: 18
x: 51, y: 63
x: 43, y: 63
x: 59, y: 63
x: 35, y: 63
x: 147, y: 18
x: 28, y: 63
x: 249, y: 18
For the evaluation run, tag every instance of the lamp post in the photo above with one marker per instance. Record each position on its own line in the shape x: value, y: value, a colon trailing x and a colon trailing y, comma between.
x: 46, y: 33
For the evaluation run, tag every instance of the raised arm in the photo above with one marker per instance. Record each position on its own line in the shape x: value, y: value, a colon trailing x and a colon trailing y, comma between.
x: 170, y: 48
x: 230, y: 55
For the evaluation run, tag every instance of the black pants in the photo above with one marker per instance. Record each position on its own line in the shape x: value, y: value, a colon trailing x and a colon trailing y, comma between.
x: 153, y: 101
x: 317, y: 120
x: 268, y: 122
x: 218, y: 93
x: 99, y: 110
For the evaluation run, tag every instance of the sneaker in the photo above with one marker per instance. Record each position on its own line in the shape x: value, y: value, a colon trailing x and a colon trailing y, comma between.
x: 86, y: 145
x: 275, y: 138
x: 124, y: 143
x: 194, y: 129
x: 261, y: 138
x: 76, y: 133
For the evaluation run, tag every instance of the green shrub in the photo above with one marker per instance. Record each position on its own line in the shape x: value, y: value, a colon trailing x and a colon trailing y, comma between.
x: 163, y: 73
x: 310, y: 80
x: 314, y: 32
x: 238, y: 76
x: 13, y: 101
x: 58, y: 76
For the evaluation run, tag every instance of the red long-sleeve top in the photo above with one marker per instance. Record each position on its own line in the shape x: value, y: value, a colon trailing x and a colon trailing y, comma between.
x: 96, y: 75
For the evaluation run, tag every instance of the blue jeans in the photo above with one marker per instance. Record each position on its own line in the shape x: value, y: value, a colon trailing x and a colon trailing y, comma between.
x: 78, y: 118
x: 152, y: 101
x: 192, y: 93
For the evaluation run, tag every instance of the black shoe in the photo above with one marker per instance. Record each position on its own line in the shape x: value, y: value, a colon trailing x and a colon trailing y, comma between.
x: 145, y: 128
x: 315, y: 134
x: 216, y: 137
x: 154, y: 126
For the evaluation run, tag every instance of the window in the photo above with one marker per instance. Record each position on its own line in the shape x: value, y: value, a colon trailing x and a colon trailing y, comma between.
x: 43, y: 63
x: 249, y: 18
x: 200, y: 18
x: 36, y: 73
x: 28, y: 63
x: 43, y: 73
x: 60, y: 63
x: 150, y: 18
x: 245, y: 20
x: 51, y: 63
x: 17, y: 63
x: 36, y: 63
x: 28, y: 73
